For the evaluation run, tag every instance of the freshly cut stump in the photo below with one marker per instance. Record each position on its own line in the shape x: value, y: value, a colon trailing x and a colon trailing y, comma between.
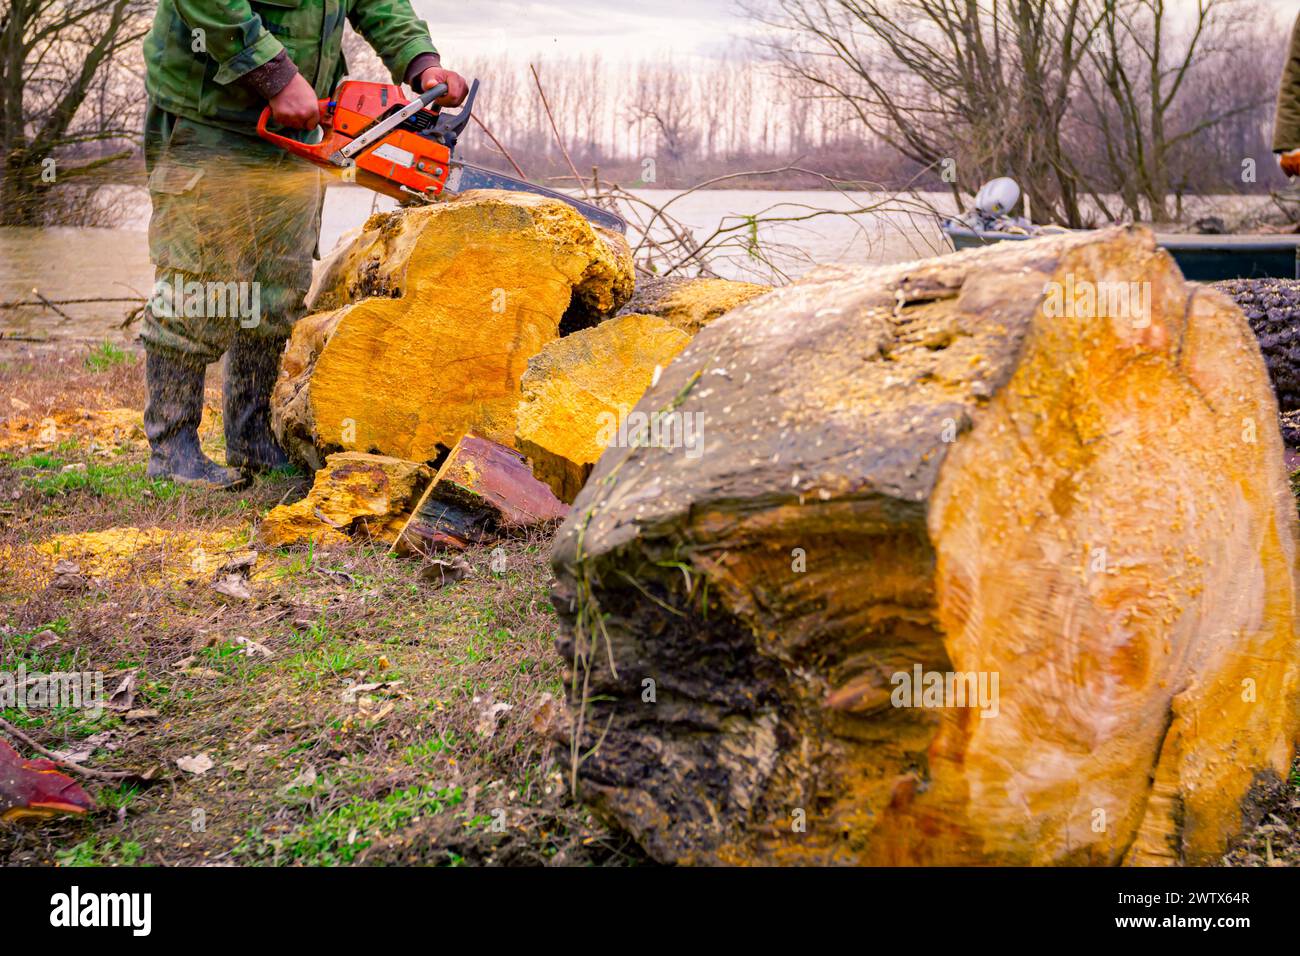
x: 428, y: 320
x: 482, y: 492
x: 690, y: 304
x: 579, y: 388
x: 954, y: 467
x: 353, y: 495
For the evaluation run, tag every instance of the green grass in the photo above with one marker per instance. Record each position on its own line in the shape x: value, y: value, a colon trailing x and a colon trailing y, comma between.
x: 69, y: 723
x: 112, y: 852
x: 417, y: 754
x: 56, y: 658
x: 40, y: 461
x: 105, y: 356
x: 118, y: 798
x: 341, y: 835
x: 120, y: 481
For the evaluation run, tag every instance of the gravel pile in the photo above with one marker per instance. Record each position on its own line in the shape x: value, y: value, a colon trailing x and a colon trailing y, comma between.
x: 1273, y: 308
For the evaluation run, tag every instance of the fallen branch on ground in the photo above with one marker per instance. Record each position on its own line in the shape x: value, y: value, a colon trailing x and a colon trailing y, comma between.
x: 74, y: 767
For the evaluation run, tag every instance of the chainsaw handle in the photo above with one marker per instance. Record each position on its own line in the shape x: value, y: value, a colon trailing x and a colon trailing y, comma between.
x: 288, y: 142
x: 433, y: 93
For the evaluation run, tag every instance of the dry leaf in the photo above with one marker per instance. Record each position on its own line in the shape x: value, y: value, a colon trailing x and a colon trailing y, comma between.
x: 233, y: 586
x: 197, y: 764
x: 305, y: 779
x: 85, y: 749
x: 352, y: 690
x: 240, y: 564
x: 442, y: 573
x: 206, y: 673
x: 545, y: 715
x: 124, y: 697
x: 45, y: 640
x: 489, y: 714
x: 250, y: 648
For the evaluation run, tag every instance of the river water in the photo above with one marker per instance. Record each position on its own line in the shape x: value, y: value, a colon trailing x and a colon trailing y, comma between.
x: 70, y: 263
x: 799, y: 229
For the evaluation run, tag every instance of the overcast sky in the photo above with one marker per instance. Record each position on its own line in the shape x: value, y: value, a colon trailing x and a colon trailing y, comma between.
x: 618, y: 29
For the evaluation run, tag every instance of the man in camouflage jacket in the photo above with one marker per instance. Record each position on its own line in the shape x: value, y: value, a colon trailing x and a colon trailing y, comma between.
x: 1286, y: 125
x: 235, y: 220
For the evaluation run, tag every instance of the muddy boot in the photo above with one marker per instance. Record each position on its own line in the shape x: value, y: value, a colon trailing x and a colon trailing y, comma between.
x: 251, y: 370
x: 171, y: 423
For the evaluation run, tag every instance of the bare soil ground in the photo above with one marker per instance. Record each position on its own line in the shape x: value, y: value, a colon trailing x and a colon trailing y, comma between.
x: 352, y: 713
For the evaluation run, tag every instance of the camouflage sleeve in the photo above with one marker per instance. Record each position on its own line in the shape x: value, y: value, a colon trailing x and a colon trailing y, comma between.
x: 417, y: 66
x: 231, y: 33
x: 393, y: 29
x: 1286, y: 125
x: 271, y: 77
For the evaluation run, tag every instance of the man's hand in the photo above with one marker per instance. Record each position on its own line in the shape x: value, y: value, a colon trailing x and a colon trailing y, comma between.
x: 457, y: 88
x: 296, y: 105
x: 1290, y: 162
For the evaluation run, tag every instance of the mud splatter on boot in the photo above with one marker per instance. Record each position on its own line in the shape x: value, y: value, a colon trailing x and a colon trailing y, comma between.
x: 251, y: 369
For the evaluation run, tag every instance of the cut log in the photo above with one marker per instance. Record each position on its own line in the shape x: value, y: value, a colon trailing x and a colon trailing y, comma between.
x: 579, y: 388
x: 690, y: 304
x: 428, y: 321
x: 354, y: 495
x: 976, y: 566
x: 482, y: 492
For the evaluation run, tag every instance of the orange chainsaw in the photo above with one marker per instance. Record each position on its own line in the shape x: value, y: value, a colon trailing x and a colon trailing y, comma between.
x: 371, y: 134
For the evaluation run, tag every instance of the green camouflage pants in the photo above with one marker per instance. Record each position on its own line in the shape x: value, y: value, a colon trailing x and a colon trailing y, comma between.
x: 232, y: 236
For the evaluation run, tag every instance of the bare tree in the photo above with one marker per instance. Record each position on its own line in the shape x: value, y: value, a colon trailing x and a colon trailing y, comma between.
x: 64, y: 113
x: 1146, y: 62
x: 662, y: 102
x: 975, y: 87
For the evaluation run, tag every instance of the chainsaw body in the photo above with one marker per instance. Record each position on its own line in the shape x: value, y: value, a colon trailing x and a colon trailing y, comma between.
x: 370, y: 133
x: 412, y: 157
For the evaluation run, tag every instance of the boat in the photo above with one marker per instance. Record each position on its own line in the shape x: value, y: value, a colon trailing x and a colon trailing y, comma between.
x: 1202, y: 258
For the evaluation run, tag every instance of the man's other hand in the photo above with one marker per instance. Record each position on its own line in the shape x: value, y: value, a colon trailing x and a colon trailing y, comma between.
x: 296, y: 105
x: 1290, y: 162
x: 457, y: 88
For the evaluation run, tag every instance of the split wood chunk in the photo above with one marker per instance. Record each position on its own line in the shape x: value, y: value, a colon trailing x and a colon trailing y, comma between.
x: 354, y: 495
x: 429, y: 318
x: 482, y: 491
x: 579, y: 389
x: 690, y: 304
x: 985, y: 559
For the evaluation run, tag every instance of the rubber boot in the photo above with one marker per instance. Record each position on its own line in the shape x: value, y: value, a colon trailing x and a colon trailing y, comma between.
x: 251, y: 369
x: 171, y: 423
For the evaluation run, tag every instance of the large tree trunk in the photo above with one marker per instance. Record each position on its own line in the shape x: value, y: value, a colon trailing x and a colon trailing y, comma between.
x: 430, y: 318
x: 947, y: 468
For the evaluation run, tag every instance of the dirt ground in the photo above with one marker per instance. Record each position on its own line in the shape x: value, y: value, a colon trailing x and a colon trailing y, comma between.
x: 350, y: 712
